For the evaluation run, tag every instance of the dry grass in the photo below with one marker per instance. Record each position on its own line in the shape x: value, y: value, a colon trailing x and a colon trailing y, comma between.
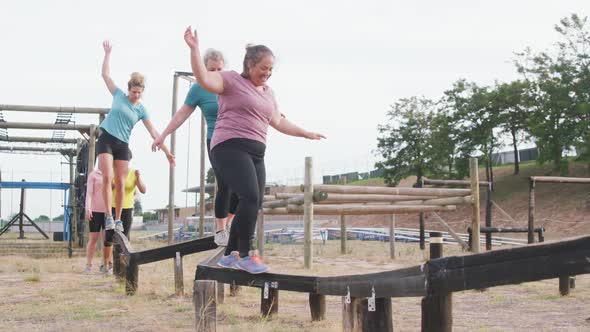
x: 52, y: 295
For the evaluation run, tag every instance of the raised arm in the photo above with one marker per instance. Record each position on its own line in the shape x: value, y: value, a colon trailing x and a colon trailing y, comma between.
x: 177, y: 120
x: 209, y: 80
x: 280, y: 123
x: 106, y: 67
x: 154, y: 133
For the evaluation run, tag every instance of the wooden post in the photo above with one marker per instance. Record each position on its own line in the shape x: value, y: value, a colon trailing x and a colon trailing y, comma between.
x: 531, y: 234
x: 343, y: 234
x: 202, y: 178
x: 131, y: 276
x: 392, y: 237
x: 317, y: 306
x: 178, y: 275
x: 234, y: 290
x: 564, y: 285
x: 489, y: 215
x: 269, y: 300
x: 308, y: 213
x: 204, y: 297
x: 475, y: 223
x: 220, y: 292
x: 118, y: 268
x: 437, y: 310
x: 356, y: 316
x: 260, y: 233
x: 420, y: 184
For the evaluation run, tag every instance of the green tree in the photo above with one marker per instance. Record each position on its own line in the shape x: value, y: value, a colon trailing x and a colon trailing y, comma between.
x: 444, y: 147
x: 137, y: 208
x: 42, y: 218
x: 59, y: 218
x: 558, y: 87
x: 404, y: 140
x: 510, y: 102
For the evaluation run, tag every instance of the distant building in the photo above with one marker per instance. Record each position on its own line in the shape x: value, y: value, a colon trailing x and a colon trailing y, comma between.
x: 507, y: 157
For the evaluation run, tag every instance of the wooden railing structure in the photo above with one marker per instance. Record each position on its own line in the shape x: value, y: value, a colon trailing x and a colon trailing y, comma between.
x: 367, y: 297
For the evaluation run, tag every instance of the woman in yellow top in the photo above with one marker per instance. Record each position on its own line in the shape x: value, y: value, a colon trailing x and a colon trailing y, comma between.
x: 132, y: 180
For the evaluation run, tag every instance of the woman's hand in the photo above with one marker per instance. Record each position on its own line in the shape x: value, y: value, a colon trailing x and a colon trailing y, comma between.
x: 88, y: 214
x: 191, y: 39
x: 314, y: 136
x: 107, y: 47
x: 157, y: 144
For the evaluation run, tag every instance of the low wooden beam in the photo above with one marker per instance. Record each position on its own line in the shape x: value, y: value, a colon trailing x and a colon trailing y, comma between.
x: 465, y: 183
x: 438, y: 192
x: 357, y: 209
x: 560, y: 179
x: 362, y: 198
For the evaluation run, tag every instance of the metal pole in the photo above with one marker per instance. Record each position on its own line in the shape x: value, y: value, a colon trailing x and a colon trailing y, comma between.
x: 91, y: 156
x: 202, y: 178
x: 171, y: 179
x: 26, y: 139
x: 73, y: 223
x: 35, y: 149
x: 54, y: 109
x: 32, y: 125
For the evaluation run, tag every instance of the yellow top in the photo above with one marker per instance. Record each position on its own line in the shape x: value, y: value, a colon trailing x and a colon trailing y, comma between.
x: 130, y: 183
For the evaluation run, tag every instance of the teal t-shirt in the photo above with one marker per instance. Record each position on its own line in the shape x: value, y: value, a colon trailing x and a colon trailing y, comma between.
x: 123, y: 116
x: 207, y: 102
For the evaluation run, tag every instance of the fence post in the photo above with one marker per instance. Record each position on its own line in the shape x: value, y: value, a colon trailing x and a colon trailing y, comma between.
x: 178, y: 275
x: 343, y: 234
x: 489, y: 215
x: 118, y: 268
x: 220, y: 292
x: 205, y: 306
x: 131, y: 276
x: 308, y: 213
x: 357, y: 317
x: 269, y: 300
x: 234, y: 289
x: 392, y: 237
x: 531, y: 234
x: 437, y: 310
x: 475, y: 222
x: 317, y: 305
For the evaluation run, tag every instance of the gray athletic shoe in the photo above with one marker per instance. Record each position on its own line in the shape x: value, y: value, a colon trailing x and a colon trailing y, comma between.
x: 109, y: 223
x: 221, y: 238
x: 119, y: 226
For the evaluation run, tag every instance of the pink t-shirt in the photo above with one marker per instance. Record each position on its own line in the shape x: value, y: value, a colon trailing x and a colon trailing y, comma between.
x: 94, y: 185
x: 244, y: 111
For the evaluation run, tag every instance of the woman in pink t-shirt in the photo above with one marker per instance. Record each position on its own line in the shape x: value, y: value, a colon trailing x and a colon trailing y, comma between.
x: 95, y: 216
x: 246, y: 107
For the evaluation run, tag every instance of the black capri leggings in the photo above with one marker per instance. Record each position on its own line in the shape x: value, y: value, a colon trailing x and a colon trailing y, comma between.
x: 240, y: 165
x: 225, y: 200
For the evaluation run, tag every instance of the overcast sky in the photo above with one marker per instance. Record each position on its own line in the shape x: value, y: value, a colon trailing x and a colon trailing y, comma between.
x: 339, y: 65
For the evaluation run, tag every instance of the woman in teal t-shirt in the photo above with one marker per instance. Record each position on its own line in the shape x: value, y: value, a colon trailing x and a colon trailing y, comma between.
x: 112, y: 147
x: 225, y: 202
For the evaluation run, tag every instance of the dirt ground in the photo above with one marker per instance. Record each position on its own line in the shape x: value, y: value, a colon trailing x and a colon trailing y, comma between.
x: 52, y: 294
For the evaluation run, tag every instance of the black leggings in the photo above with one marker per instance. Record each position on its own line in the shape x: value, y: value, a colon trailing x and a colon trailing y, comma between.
x: 240, y: 164
x: 225, y: 200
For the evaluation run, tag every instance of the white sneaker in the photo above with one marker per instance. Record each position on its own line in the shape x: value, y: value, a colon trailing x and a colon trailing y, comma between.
x: 221, y: 238
x: 109, y: 223
x: 88, y: 269
x: 119, y: 226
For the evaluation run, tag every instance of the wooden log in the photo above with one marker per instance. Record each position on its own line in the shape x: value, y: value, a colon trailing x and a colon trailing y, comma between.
x: 358, y: 209
x: 118, y: 266
x: 564, y: 285
x: 466, y: 183
x: 131, y: 276
x: 440, y: 201
x: 204, y: 299
x: 422, y: 230
x: 392, y: 236
x: 531, y: 235
x: 317, y: 306
x: 455, y: 236
x: 339, y: 189
x: 269, y: 300
x: 343, y: 235
x: 475, y: 221
x: 437, y: 310
x: 362, y: 198
x: 269, y: 198
x: 509, y: 230
x: 178, y: 275
x: 308, y: 210
x: 560, y: 179
x: 317, y: 196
